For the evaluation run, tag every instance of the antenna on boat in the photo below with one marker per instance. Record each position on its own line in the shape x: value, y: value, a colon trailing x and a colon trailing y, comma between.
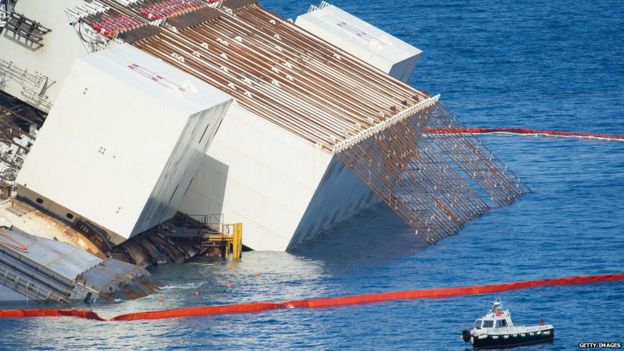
x: 497, y: 305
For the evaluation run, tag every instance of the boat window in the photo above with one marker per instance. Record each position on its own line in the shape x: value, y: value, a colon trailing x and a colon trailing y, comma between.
x: 501, y: 323
x: 488, y: 324
x: 478, y: 324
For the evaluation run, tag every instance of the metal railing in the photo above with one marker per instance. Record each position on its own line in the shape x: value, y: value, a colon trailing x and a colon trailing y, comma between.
x: 33, y: 84
x: 196, y: 226
x: 231, y: 237
x: 12, y: 280
x: 210, y: 230
x: 27, y: 287
x: 3, y: 19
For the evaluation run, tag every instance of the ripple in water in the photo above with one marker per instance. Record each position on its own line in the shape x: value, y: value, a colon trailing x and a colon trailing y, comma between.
x: 557, y: 65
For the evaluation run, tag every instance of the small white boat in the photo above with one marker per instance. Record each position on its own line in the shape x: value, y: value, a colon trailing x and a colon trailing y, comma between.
x: 496, y: 330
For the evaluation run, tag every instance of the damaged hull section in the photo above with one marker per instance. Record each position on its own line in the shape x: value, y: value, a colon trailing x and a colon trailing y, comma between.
x: 45, y: 270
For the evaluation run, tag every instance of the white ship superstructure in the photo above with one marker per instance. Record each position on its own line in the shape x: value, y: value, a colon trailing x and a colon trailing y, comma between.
x: 295, y: 207
x: 361, y: 39
x: 6, y: 7
x: 305, y: 109
x: 123, y: 166
x: 221, y: 107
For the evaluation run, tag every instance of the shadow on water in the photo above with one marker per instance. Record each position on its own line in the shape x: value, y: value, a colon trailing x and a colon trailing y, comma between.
x: 372, y: 237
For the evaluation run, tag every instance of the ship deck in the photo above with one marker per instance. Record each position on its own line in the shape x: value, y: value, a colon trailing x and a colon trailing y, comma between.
x: 284, y: 74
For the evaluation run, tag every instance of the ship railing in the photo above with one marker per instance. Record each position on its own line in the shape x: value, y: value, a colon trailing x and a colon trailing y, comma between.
x: 232, y: 237
x: 211, y: 222
x: 210, y: 230
x: 323, y: 5
x: 33, y: 84
x: 197, y: 226
x: 28, y: 287
x: 3, y: 19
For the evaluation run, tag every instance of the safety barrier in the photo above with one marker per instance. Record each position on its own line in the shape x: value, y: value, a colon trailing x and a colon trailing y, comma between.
x: 30, y: 313
x: 435, y: 293
x: 524, y: 131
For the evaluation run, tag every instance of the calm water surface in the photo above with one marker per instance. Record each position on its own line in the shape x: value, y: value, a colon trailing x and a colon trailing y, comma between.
x: 550, y: 65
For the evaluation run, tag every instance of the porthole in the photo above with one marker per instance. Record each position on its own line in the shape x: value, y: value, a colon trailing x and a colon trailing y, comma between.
x: 69, y: 216
x: 39, y: 200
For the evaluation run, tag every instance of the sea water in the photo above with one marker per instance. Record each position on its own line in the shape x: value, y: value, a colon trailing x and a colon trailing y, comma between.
x: 544, y: 65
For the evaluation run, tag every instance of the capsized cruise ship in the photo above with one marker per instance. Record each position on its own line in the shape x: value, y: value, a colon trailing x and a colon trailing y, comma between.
x: 123, y: 118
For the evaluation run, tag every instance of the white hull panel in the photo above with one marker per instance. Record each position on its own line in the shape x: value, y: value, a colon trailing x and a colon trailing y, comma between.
x: 281, y: 187
x: 362, y: 40
x: 339, y: 196
x: 122, y: 143
x: 258, y: 174
x: 51, y: 63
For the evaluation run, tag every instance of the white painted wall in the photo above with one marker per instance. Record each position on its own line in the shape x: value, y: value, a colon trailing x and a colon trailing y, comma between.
x: 259, y: 174
x: 362, y: 40
x: 339, y: 196
x: 54, y: 60
x: 123, y: 140
x: 283, y: 189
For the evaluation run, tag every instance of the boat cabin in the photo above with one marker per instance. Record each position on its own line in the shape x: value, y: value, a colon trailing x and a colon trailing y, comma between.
x: 495, y: 330
x: 496, y: 318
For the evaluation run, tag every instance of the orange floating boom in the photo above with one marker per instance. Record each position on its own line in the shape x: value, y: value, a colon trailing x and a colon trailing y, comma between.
x: 524, y: 131
x: 435, y: 293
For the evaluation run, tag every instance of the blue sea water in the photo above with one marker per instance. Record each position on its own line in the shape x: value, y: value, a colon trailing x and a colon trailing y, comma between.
x: 545, y: 65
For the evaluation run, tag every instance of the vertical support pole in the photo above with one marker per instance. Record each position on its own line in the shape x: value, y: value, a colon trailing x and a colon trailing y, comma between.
x: 227, y: 249
x: 238, y: 241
